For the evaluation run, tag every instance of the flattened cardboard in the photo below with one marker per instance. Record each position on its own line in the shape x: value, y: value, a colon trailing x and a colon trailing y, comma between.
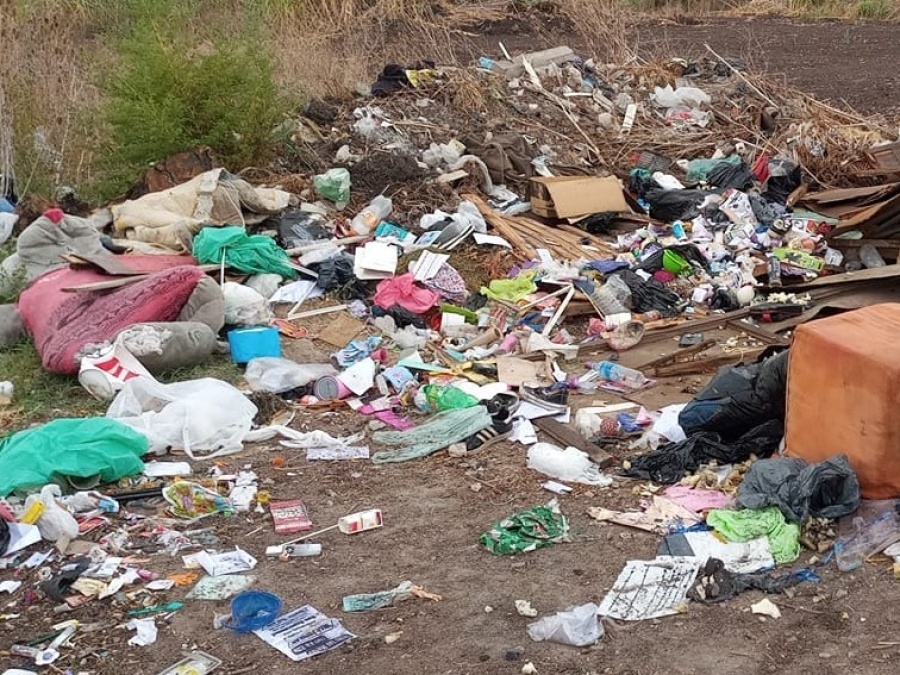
x: 574, y: 196
x: 340, y: 331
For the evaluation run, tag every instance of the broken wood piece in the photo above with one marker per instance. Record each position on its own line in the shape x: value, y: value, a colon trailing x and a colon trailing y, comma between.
x: 569, y: 437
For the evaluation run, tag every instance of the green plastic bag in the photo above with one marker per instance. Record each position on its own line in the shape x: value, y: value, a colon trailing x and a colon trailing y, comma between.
x: 251, y: 254
x: 747, y: 524
x: 511, y: 290
x: 81, y: 448
x: 527, y: 530
x: 333, y: 185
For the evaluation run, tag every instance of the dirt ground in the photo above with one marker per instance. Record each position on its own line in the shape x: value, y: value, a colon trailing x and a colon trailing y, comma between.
x: 435, y: 509
x: 836, y: 61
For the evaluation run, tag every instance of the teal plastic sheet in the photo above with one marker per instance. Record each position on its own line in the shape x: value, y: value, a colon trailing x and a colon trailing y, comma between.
x: 248, y: 253
x: 80, y: 448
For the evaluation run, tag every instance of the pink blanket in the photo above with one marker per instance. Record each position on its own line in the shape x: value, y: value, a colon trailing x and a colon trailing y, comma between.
x: 62, y: 323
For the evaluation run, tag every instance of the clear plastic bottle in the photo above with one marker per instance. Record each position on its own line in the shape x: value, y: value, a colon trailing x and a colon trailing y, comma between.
x: 870, y: 257
x: 613, y: 372
x: 368, y: 219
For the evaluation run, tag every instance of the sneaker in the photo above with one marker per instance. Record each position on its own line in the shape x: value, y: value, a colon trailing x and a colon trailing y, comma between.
x: 497, y: 432
x: 553, y: 397
x: 502, y: 405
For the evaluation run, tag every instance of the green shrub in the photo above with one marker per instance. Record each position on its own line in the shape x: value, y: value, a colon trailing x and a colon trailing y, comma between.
x: 176, y: 87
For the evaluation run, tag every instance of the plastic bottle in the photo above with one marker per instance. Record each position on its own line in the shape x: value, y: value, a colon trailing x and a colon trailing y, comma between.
x: 368, y: 219
x: 774, y: 271
x: 613, y: 372
x: 870, y: 257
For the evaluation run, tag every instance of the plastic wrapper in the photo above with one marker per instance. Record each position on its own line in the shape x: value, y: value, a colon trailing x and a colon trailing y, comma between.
x: 190, y: 500
x: 205, y: 416
x: 578, y: 627
x: 278, y: 375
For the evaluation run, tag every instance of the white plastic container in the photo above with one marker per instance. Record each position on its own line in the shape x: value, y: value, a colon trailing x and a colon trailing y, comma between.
x: 369, y: 218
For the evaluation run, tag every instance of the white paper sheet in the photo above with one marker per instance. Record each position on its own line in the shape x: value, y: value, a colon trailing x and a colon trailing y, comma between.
x: 304, y: 633
x: 21, y: 536
x: 649, y: 589
x: 297, y: 292
x: 428, y: 265
x: 490, y: 239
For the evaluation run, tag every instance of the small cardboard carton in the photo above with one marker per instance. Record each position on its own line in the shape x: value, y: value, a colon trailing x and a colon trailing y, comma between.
x: 573, y: 197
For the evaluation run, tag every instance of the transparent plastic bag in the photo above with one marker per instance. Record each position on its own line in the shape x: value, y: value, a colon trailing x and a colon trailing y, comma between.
x: 578, y: 627
x: 244, y: 306
x: 55, y: 522
x: 278, y: 375
x: 207, y: 416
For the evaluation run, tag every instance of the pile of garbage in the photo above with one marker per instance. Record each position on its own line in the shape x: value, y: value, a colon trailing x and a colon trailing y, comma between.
x: 473, y: 287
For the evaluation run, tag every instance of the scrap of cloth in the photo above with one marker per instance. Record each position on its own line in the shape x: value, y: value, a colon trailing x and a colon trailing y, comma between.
x: 62, y: 323
x: 438, y: 432
x: 403, y: 291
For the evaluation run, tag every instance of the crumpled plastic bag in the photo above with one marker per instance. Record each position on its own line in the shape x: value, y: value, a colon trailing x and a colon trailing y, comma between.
x: 244, y: 306
x: 206, y: 415
x: 55, y: 522
x: 278, y: 375
x: 578, y: 627
x: 747, y: 524
x: 569, y: 464
x: 403, y: 291
x: 682, y: 96
x: 252, y: 254
x: 672, y: 462
x: 828, y: 489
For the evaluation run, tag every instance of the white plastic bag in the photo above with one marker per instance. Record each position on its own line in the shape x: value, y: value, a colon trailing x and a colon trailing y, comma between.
x: 7, y: 223
x: 570, y: 464
x: 277, y: 375
x: 683, y: 96
x: 55, y: 522
x: 578, y: 627
x: 244, y: 306
x: 207, y: 416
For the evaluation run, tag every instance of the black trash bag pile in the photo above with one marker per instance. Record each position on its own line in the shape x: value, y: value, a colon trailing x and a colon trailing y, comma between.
x: 715, y: 583
x: 672, y: 462
x: 828, y: 489
x: 784, y: 178
x: 669, y: 205
x: 738, y: 398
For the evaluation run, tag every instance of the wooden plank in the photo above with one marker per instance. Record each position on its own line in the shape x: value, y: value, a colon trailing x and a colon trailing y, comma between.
x: 568, y: 436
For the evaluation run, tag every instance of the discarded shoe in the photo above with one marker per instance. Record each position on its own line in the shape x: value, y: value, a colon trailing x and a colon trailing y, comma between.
x: 553, y: 397
x: 498, y: 431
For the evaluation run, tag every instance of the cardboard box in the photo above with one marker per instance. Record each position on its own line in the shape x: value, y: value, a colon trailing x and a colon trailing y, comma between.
x: 573, y: 197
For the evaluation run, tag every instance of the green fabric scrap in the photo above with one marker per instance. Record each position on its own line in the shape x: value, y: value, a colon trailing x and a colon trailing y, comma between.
x: 527, y: 530
x: 747, y: 524
x: 511, y: 290
x: 80, y: 448
x: 442, y: 430
x: 251, y: 254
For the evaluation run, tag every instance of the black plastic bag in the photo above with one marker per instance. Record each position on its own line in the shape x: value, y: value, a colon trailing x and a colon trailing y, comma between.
x: 669, y: 205
x: 739, y: 398
x: 402, y: 317
x: 784, y: 178
x: 296, y: 228
x: 335, y: 272
x: 672, y: 462
x: 731, y: 175
x: 650, y: 295
x: 689, y: 252
x: 828, y: 489
x: 4, y: 536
